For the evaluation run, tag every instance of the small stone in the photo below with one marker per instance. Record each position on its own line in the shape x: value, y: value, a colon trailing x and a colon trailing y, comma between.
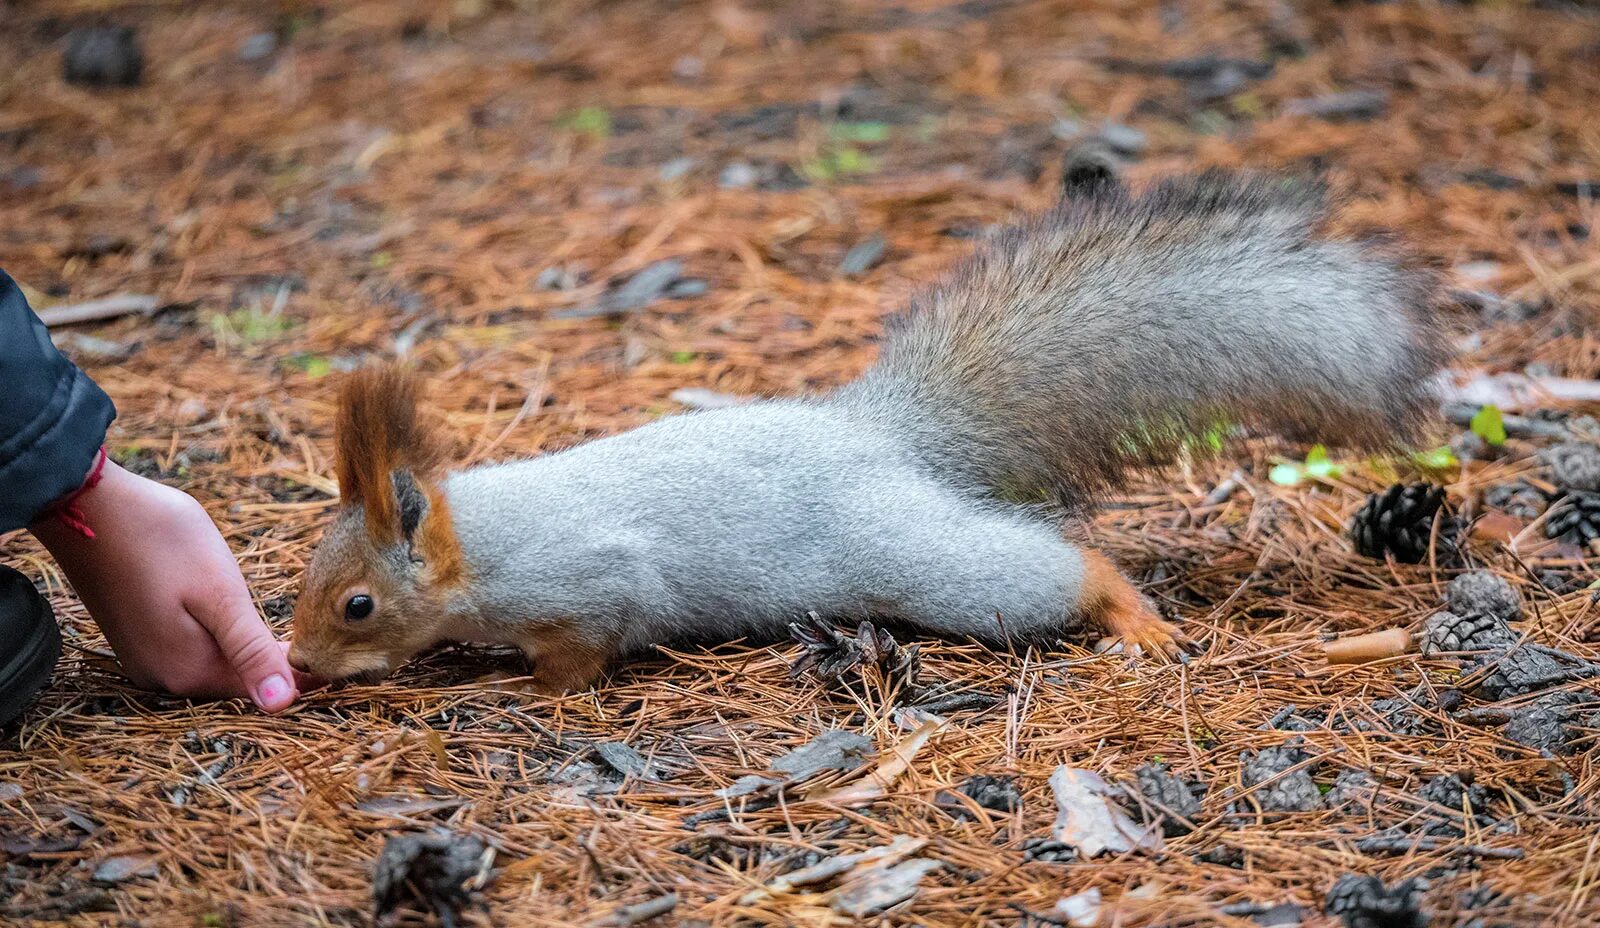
x: 833, y: 749
x: 258, y: 47
x: 863, y: 256
x: 1282, y: 915
x: 557, y: 277
x: 1480, y: 592
x: 689, y: 68
x: 103, y: 56
x: 24, y: 177
x: 1350, y: 104
x: 686, y: 288
x: 1081, y: 910
x: 623, y: 759
x: 1470, y: 446
x: 739, y: 175
x: 126, y: 867
x: 647, y: 286
x: 1125, y: 140
x: 1223, y: 855
x: 676, y: 169
x: 1066, y: 129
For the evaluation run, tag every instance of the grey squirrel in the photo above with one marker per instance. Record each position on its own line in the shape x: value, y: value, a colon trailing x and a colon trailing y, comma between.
x: 1098, y: 337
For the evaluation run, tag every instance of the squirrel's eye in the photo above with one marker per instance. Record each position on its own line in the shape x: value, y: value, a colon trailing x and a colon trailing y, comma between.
x: 359, y: 606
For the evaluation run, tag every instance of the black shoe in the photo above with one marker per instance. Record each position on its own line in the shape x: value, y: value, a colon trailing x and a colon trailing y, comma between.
x: 30, y: 643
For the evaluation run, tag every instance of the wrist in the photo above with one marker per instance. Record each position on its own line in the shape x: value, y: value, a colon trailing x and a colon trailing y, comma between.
x: 77, y: 517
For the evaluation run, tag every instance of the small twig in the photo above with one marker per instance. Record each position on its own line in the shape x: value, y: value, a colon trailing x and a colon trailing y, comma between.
x: 642, y: 911
x: 1383, y: 845
x: 1516, y: 391
x: 128, y: 304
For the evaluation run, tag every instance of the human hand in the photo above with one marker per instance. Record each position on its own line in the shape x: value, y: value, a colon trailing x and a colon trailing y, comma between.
x: 166, y: 591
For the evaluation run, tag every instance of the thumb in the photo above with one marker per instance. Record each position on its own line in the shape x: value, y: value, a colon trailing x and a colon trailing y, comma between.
x: 248, y: 646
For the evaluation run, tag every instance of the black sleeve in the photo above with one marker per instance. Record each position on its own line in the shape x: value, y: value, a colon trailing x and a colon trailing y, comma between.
x: 52, y: 416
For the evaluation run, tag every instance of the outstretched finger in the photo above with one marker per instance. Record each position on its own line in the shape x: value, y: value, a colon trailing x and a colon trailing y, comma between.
x: 249, y: 647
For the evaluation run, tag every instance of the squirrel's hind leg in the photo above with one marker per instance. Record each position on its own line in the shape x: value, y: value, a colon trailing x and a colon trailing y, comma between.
x: 1110, y: 602
x: 1004, y: 577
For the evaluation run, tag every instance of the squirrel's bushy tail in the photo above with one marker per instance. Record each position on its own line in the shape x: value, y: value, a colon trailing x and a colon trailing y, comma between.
x: 1114, y: 328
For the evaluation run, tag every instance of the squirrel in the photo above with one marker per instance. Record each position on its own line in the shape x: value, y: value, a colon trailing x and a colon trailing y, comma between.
x: 934, y: 491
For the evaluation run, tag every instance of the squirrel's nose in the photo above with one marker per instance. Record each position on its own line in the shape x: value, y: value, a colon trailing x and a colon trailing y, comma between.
x: 298, y: 663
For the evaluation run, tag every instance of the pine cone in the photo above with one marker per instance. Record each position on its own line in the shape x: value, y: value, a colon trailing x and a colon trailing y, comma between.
x: 1351, y: 788
x: 1364, y: 902
x: 831, y: 655
x: 1294, y: 792
x: 997, y: 794
x: 1165, y: 791
x: 1548, y: 725
x: 1479, y: 592
x: 1516, y: 499
x: 1450, y: 791
x: 1575, y: 519
x: 103, y: 56
x: 1447, y: 632
x: 1573, y: 465
x: 1399, y: 522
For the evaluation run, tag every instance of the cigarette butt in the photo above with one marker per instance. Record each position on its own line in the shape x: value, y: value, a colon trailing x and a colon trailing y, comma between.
x: 1373, y: 646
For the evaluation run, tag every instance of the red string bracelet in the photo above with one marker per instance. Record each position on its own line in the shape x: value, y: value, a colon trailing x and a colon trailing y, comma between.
x: 67, y: 509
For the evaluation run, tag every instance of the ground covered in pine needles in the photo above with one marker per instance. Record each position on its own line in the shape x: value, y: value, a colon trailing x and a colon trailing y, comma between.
x: 478, y: 186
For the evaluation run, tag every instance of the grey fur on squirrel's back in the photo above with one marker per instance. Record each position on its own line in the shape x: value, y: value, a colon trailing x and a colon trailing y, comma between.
x: 1112, y: 328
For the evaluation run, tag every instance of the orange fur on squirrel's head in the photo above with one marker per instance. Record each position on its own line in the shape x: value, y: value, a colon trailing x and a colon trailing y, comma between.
x: 374, y: 593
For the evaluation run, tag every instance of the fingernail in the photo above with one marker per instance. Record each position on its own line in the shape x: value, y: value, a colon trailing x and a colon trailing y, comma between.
x: 273, y: 691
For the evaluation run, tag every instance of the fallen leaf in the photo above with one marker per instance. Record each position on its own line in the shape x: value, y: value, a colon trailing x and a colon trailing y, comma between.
x: 834, y: 749
x: 744, y: 786
x: 1091, y: 821
x: 881, y: 886
x: 435, y: 741
x: 1497, y: 526
x: 900, y: 848
x: 623, y: 759
x: 125, y: 867
x: 878, y: 780
x: 407, y: 805
x: 1081, y: 910
x: 22, y: 846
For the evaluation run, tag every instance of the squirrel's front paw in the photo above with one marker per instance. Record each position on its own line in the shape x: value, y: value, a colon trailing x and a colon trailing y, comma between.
x: 557, y: 680
x: 565, y: 661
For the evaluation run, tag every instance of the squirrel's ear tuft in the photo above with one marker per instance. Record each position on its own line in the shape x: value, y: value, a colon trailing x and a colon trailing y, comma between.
x: 385, y: 448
